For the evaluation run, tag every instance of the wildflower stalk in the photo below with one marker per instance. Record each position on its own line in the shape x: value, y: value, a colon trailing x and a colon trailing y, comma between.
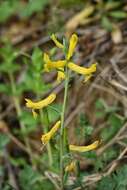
x: 62, y: 130
x: 45, y: 122
x: 18, y: 111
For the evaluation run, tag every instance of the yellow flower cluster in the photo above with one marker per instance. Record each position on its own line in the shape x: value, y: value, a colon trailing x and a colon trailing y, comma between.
x: 60, y: 64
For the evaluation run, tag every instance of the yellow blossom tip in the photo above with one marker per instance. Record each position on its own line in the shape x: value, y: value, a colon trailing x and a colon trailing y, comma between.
x: 34, y: 114
x: 28, y: 102
x: 46, y: 137
x: 61, y: 75
x: 49, y: 64
x: 46, y: 57
x: 82, y: 70
x: 87, y: 78
x: 57, y: 43
x: 71, y: 167
x: 84, y: 148
x: 72, y: 45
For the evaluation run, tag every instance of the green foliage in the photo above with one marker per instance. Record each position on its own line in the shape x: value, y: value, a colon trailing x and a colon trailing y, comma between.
x: 106, y: 183
x: 1, y: 171
x: 18, y: 162
x: 84, y: 128
x: 4, y: 140
x: 29, y: 122
x: 7, y: 186
x: 5, y: 88
x: 9, y: 8
x: 114, y: 121
x: 30, y: 179
x: 33, y: 7
x: 105, y: 158
x: 118, y: 14
x: 116, y: 181
x: 33, y: 77
x: 9, y: 55
x: 114, y: 125
x: 54, y: 112
x: 71, y: 3
x: 106, y: 23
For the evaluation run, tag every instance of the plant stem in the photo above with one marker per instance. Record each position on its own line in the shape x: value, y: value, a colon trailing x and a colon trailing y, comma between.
x: 18, y: 111
x: 45, y: 123
x: 62, y: 130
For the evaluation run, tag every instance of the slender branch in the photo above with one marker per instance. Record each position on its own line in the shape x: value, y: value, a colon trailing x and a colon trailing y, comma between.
x: 62, y: 130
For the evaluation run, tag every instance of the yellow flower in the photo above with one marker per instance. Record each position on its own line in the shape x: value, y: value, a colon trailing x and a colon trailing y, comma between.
x: 61, y: 75
x: 52, y: 64
x: 72, y: 45
x: 84, y: 148
x: 41, y: 104
x: 82, y: 70
x: 57, y: 43
x: 87, y: 77
x: 34, y: 113
x: 46, y: 137
x: 71, y: 167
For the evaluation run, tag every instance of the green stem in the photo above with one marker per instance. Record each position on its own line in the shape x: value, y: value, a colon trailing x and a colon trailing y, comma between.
x: 19, y: 112
x: 45, y: 123
x: 62, y: 130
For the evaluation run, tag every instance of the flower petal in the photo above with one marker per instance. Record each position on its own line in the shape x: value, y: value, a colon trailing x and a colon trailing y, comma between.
x: 71, y: 167
x: 40, y: 104
x: 34, y: 114
x: 87, y: 77
x: 46, y: 137
x: 52, y: 64
x: 61, y: 75
x: 84, y: 148
x: 72, y: 45
x: 82, y: 70
x: 57, y: 43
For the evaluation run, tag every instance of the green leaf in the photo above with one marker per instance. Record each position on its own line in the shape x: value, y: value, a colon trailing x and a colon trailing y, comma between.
x: 4, y: 140
x: 99, y: 104
x: 106, y: 23
x: 31, y: 179
x: 116, y: 181
x: 88, y: 130
x: 109, y: 154
x: 29, y: 122
x: 18, y: 162
x: 6, y: 10
x: 115, y: 121
x: 4, y: 88
x: 9, y: 55
x: 32, y: 7
x: 113, y: 4
x: 106, y: 183
x: 118, y: 14
x: 54, y: 115
x: 120, y: 177
x: 114, y: 125
x: 84, y: 127
x: 37, y: 60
